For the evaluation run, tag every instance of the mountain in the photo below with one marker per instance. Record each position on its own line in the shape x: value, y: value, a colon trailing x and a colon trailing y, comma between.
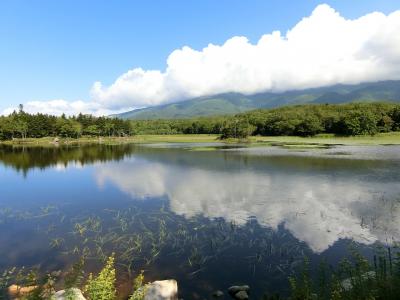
x: 232, y: 103
x: 205, y: 106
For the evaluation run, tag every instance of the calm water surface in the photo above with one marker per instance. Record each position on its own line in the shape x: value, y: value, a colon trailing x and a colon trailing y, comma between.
x: 209, y: 216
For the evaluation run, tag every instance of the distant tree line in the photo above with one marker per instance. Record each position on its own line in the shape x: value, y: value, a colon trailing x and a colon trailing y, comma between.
x: 299, y: 120
x: 23, y: 125
x: 203, y: 125
x: 339, y: 119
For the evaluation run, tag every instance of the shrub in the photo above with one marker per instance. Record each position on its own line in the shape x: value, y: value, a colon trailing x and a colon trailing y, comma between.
x: 102, y: 287
x: 139, y: 288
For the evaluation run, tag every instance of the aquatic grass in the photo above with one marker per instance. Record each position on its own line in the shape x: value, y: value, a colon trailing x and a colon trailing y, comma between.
x: 56, y: 242
x: 143, y: 239
x: 6, y: 279
x: 35, y: 286
x: 354, y: 278
x: 140, y: 236
x: 74, y: 278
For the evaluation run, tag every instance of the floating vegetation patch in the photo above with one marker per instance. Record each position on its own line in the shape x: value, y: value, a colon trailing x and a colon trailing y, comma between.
x: 340, y: 153
x: 204, y: 149
x: 308, y: 146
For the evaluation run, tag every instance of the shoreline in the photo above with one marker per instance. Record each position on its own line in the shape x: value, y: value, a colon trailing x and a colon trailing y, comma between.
x: 392, y: 138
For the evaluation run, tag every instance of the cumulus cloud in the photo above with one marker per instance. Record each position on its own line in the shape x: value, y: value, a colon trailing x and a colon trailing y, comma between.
x: 321, y: 49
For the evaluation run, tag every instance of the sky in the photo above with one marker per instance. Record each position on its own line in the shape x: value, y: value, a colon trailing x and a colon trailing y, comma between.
x: 101, y: 57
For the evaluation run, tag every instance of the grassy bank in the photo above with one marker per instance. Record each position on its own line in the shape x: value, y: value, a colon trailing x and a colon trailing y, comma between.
x: 139, y: 139
x: 392, y: 138
x: 66, y: 141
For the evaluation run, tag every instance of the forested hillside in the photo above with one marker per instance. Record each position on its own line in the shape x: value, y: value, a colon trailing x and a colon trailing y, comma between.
x: 233, y: 103
x: 302, y: 120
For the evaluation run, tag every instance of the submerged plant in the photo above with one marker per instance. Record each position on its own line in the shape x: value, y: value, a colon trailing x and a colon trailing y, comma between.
x: 26, y: 284
x: 56, y: 243
x: 74, y: 278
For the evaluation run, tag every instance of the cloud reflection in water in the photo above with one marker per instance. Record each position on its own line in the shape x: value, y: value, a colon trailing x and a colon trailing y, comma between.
x: 316, y: 208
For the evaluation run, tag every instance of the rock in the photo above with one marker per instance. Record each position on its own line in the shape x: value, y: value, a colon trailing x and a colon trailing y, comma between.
x: 314, y: 296
x: 237, y: 288
x: 218, y: 294
x: 162, y: 290
x: 15, y: 291
x: 56, y: 140
x: 76, y: 294
x: 241, y: 295
x: 239, y: 291
x: 56, y: 273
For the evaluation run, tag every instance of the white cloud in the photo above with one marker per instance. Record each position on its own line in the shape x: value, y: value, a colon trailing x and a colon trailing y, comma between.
x: 322, y: 49
x: 60, y: 106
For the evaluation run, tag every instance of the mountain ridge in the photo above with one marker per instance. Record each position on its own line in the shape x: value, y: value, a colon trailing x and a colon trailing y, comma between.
x: 232, y: 103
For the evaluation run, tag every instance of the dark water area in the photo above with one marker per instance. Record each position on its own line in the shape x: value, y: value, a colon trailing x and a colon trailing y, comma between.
x: 209, y: 216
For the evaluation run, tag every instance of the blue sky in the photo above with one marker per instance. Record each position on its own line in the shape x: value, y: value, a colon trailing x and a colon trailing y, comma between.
x: 58, y: 49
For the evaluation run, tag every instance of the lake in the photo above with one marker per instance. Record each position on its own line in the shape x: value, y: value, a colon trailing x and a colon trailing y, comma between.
x: 208, y: 215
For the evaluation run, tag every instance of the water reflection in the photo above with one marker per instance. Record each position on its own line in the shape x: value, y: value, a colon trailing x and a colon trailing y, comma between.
x: 317, y: 207
x: 25, y: 158
x: 187, y: 214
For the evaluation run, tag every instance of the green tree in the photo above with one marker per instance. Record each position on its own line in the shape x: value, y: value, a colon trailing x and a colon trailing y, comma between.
x: 359, y: 123
x: 109, y: 128
x: 68, y: 128
x: 309, y: 126
x: 237, y: 128
x: 92, y: 130
x: 385, y: 124
x: 395, y: 116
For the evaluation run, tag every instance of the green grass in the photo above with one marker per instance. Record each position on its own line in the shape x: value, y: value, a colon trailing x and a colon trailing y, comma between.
x: 392, y: 138
x: 177, y: 138
x: 173, y: 138
x: 49, y: 141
